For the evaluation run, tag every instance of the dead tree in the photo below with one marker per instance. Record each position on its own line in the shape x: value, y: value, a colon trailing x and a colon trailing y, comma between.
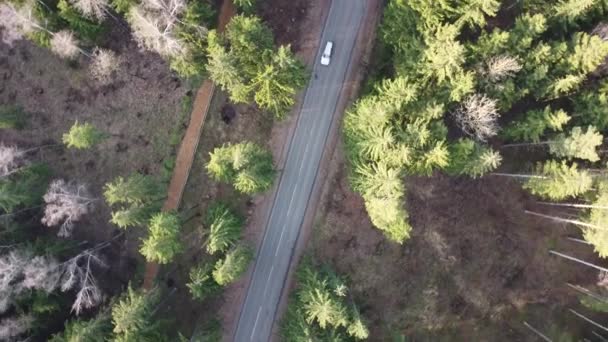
x: 66, y: 202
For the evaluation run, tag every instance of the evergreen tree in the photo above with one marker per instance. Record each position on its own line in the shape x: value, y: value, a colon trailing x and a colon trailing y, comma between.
x: 598, y: 217
x: 569, y: 10
x: 356, y: 327
x: 558, y: 181
x: 473, y: 12
x: 535, y: 124
x: 132, y: 317
x: 83, y: 136
x: 163, y: 242
x: 136, y: 189
x: 471, y: 159
x: 201, y: 283
x: 233, y: 265
x: 133, y: 215
x: 97, y: 329
x: 12, y: 117
x: 591, y: 107
x: 444, y: 55
x: 24, y: 189
x: 247, y: 165
x: 321, y: 307
x: 224, y: 228
x: 577, y: 144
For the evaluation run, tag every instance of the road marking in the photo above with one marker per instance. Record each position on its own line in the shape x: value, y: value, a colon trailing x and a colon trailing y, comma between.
x: 279, y: 244
x: 268, y: 280
x: 293, y: 194
x: 257, y: 317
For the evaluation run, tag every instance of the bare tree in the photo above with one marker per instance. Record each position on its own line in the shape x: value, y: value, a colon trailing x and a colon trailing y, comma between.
x: 153, y: 23
x: 11, y: 268
x: 92, y: 9
x: 78, y: 273
x: 12, y: 327
x: 65, y: 204
x: 104, y: 65
x: 64, y: 44
x: 477, y: 117
x: 11, y: 160
x: 20, y: 18
x: 501, y: 67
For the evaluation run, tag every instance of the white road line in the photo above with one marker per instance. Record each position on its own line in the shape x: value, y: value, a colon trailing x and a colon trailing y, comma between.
x: 280, y: 239
x: 255, y: 324
x: 268, y: 280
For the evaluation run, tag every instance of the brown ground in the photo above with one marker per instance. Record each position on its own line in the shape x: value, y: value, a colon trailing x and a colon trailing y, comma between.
x: 187, y: 149
x: 144, y: 109
x: 475, y: 267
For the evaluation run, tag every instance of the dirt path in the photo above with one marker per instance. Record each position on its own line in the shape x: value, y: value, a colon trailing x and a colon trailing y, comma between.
x: 187, y: 149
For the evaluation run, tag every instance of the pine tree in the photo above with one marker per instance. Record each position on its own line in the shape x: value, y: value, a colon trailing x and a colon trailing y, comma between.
x: 444, y: 55
x: 132, y: 316
x: 97, y: 329
x: 163, y: 242
x: 535, y: 124
x: 558, y: 181
x: 224, y: 228
x: 473, y: 12
x: 201, y: 283
x: 83, y: 136
x: 233, y: 265
x: 321, y: 307
x: 577, y: 144
x: 136, y: 189
x: 247, y: 165
x: 598, y: 217
x: 471, y: 159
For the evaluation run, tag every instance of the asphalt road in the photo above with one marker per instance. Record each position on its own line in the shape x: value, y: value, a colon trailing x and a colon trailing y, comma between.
x: 298, y: 176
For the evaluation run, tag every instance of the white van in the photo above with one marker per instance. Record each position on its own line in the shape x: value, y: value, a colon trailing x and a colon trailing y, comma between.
x: 326, y: 57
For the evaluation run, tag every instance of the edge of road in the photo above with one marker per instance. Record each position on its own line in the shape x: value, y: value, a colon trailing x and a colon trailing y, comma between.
x: 284, y: 155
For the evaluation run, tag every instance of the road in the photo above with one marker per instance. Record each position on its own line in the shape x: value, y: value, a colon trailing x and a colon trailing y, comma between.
x: 299, y: 174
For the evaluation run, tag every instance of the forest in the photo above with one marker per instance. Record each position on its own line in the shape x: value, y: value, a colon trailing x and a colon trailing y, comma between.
x: 484, y: 118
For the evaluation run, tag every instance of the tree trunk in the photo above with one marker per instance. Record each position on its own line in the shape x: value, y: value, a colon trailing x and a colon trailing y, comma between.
x: 538, y: 333
x: 600, y: 268
x: 587, y: 292
x: 563, y: 220
x: 574, y: 205
x: 589, y: 320
x: 578, y: 240
x: 516, y: 175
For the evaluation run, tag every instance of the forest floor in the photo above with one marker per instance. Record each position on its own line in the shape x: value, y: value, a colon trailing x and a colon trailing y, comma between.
x: 475, y: 267
x: 144, y: 110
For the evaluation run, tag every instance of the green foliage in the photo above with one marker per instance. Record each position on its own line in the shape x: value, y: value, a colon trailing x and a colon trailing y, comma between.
x: 12, y: 117
x: 246, y: 165
x: 83, y: 136
x: 201, y: 283
x: 132, y: 317
x: 591, y: 107
x: 198, y: 14
x: 163, y: 241
x: 598, y: 216
x: 473, y: 12
x: 317, y: 313
x: 594, y: 304
x: 224, y: 228
x: 245, y: 63
x: 569, y: 10
x: 233, y: 265
x: 97, y: 329
x: 444, y: 55
x: 535, y: 124
x: 136, y: 199
x: 557, y: 180
x: 211, y: 332
x: 25, y: 188
x: 472, y: 159
x: 136, y: 189
x: 123, y: 6
x: 245, y: 5
x: 86, y: 29
x: 577, y: 144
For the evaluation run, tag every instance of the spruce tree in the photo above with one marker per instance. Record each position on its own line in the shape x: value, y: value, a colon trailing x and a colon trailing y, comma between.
x: 132, y: 316
x: 96, y: 329
x: 234, y: 264
x: 201, y: 283
x: 578, y: 144
x: 163, y: 242
x: 83, y: 136
x: 557, y: 180
x: 224, y: 228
